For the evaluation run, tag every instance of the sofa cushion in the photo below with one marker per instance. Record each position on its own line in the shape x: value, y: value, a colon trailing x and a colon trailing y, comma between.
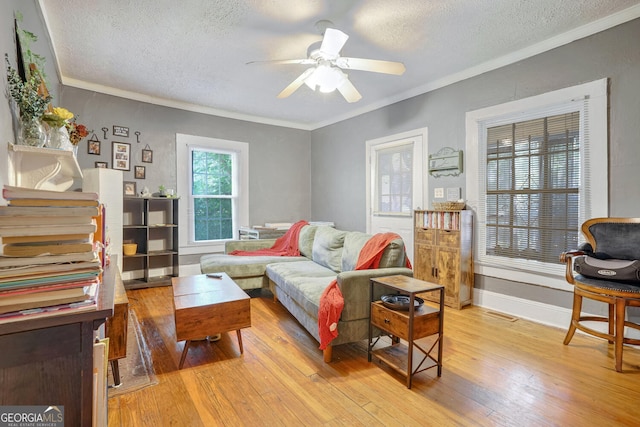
x: 354, y: 241
x: 305, y: 241
x: 327, y: 247
x: 303, y: 281
x: 240, y: 266
x: 394, y: 255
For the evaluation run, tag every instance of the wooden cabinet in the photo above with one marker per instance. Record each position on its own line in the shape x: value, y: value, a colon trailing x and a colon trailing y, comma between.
x: 49, y: 360
x: 152, y: 224
x: 443, y: 253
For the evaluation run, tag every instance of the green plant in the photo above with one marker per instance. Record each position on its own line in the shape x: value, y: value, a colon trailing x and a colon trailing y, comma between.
x: 25, y: 93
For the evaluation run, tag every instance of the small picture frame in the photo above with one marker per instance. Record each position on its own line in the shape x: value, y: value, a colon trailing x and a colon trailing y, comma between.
x: 93, y: 147
x: 121, y: 131
x: 102, y: 165
x: 129, y: 188
x: 147, y: 155
x: 121, y: 156
x: 140, y: 172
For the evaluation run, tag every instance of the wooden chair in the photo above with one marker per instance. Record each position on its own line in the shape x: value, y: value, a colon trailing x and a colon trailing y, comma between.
x: 618, y: 238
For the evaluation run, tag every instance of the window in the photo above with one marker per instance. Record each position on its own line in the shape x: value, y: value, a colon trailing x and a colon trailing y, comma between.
x: 213, y: 194
x: 537, y: 169
x: 212, y: 177
x: 532, y: 188
x: 394, y: 180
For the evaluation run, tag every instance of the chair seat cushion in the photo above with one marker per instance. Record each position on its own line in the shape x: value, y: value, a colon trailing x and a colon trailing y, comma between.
x: 608, y: 269
x: 609, y: 285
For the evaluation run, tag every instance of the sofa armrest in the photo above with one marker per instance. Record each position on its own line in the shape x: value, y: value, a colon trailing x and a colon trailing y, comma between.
x: 354, y: 286
x: 247, y: 245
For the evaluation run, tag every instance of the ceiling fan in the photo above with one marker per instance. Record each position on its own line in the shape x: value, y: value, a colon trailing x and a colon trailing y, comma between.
x: 327, y: 74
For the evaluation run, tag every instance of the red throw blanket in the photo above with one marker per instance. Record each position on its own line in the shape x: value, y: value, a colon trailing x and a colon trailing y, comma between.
x: 286, y: 245
x: 332, y: 302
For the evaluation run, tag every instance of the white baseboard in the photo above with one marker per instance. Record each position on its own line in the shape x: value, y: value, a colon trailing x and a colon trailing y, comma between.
x: 190, y: 269
x: 546, y: 314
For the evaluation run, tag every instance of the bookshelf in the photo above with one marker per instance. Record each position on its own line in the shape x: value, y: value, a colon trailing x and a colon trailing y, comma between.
x: 152, y: 224
x: 443, y: 253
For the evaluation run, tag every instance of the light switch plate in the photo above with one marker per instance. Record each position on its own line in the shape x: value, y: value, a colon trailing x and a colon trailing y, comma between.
x: 438, y: 193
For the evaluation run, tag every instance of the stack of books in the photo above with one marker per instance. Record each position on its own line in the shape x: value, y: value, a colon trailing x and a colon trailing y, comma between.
x: 48, y: 261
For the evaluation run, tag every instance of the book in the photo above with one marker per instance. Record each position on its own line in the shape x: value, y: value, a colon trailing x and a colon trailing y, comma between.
x: 13, y: 262
x: 44, y: 230
x: 8, y: 283
x: 88, y: 304
x: 52, y: 287
x: 46, y: 212
x: 54, y: 238
x: 43, y: 299
x: 10, y: 193
x: 32, y: 250
x: 31, y: 270
x: 44, y: 219
x: 51, y: 202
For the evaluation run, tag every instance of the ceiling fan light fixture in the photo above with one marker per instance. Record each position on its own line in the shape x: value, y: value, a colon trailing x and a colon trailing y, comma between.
x: 325, y: 78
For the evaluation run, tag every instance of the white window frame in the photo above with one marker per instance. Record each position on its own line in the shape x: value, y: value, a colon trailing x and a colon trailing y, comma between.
x: 588, y: 98
x: 184, y: 145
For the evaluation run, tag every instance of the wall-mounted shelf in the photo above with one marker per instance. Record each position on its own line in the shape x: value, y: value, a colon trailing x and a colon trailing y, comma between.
x: 42, y: 168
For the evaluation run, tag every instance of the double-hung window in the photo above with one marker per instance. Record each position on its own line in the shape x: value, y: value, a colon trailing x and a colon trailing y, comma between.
x: 537, y: 169
x: 212, y: 176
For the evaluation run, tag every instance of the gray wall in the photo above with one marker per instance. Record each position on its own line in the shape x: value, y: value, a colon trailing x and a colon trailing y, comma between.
x: 338, y: 151
x: 279, y: 158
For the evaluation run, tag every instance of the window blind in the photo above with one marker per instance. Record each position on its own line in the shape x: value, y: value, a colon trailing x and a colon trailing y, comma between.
x: 533, y: 187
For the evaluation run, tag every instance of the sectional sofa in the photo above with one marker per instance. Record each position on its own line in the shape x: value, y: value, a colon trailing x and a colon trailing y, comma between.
x: 298, y: 282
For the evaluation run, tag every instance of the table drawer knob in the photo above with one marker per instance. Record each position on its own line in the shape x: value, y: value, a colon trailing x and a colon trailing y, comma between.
x: 387, y: 321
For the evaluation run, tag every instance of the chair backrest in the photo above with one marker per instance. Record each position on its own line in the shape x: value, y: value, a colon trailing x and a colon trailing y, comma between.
x: 614, y: 237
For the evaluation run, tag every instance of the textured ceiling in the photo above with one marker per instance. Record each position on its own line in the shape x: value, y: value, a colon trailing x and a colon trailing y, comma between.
x: 193, y: 54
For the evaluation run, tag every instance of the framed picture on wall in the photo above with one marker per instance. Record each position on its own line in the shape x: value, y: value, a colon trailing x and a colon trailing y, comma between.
x: 102, y: 165
x: 120, y: 131
x: 93, y: 147
x: 147, y: 155
x: 121, y: 156
x: 129, y: 188
x: 140, y: 172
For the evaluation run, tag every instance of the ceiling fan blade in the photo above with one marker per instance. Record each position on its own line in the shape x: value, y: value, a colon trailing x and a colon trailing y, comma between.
x: 305, y: 61
x: 296, y: 83
x: 333, y: 42
x: 377, y: 66
x: 349, y: 91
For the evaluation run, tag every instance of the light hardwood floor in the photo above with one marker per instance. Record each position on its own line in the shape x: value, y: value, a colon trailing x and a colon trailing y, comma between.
x: 496, y: 372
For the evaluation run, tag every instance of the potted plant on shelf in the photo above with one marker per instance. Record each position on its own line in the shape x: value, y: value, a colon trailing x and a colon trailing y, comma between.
x: 32, y: 104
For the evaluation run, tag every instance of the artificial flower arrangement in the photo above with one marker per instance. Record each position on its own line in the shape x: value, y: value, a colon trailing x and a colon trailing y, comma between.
x: 59, y: 117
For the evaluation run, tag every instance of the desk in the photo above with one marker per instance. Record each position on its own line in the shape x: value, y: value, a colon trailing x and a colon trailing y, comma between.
x: 116, y: 329
x: 49, y: 360
x: 245, y: 233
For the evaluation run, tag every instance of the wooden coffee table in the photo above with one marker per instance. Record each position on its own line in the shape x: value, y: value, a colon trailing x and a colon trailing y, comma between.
x: 206, y: 305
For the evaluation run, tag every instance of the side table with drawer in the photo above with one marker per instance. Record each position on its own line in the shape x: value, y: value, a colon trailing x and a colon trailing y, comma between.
x: 408, y: 325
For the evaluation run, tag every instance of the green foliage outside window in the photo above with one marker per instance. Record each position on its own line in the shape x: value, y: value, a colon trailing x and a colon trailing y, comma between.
x: 212, y: 176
